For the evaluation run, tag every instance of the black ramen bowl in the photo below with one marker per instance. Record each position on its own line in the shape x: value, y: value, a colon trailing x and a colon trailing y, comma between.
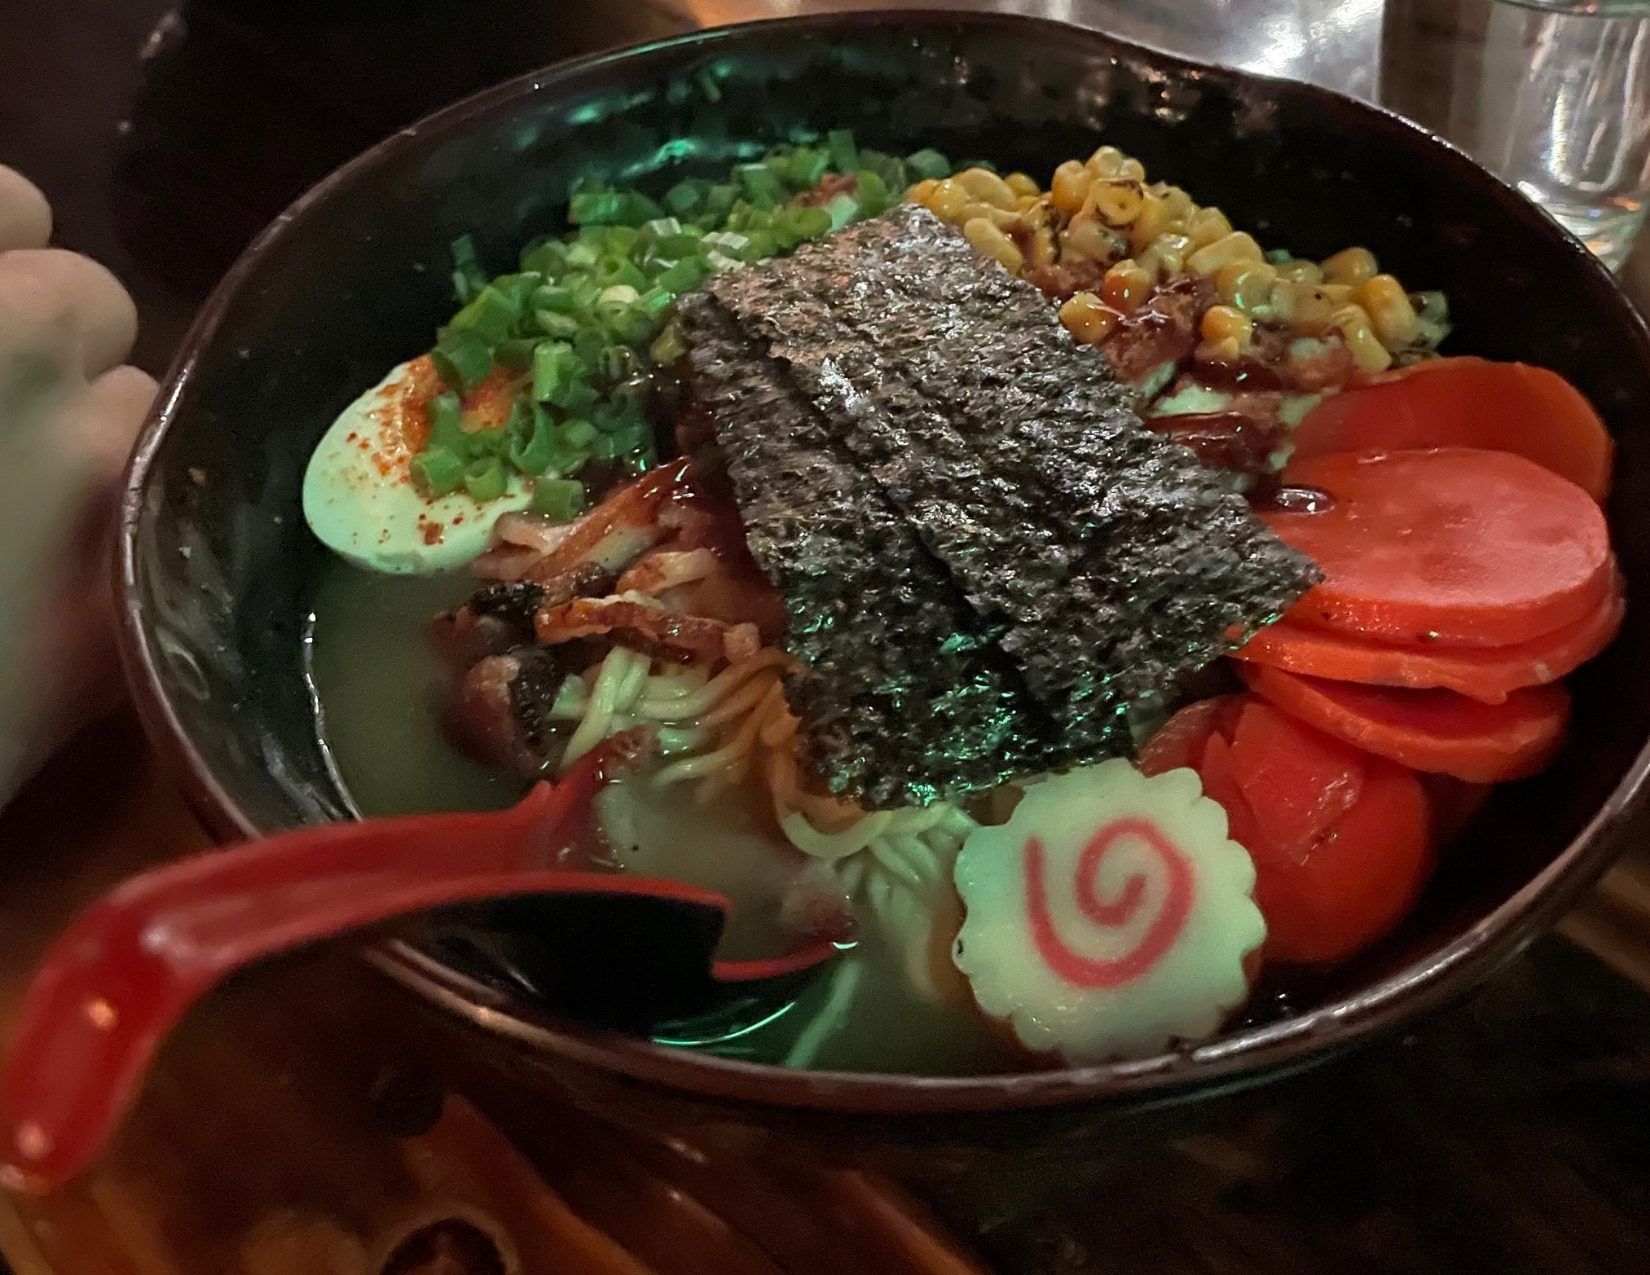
x: 217, y: 566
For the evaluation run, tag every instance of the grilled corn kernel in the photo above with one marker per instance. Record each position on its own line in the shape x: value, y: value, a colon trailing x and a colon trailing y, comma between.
x: 1023, y: 184
x: 1279, y: 305
x: 1299, y: 271
x: 1390, y: 311
x: 1367, y: 351
x: 1206, y: 225
x: 1132, y: 169
x: 1088, y: 239
x: 1313, y: 311
x: 1125, y: 286
x: 1178, y: 203
x: 1160, y: 260
x: 949, y: 199
x: 1350, y: 265
x: 1151, y: 221
x: 1223, y: 323
x: 1025, y: 203
x: 1118, y: 202
x: 1042, y: 246
x: 922, y: 192
x: 986, y: 187
x: 1246, y: 284
x: 1087, y: 319
x: 1339, y: 293
x: 1003, y: 218
x: 1236, y: 246
x: 1105, y: 162
x: 990, y: 240
x: 1070, y: 187
x: 1226, y: 350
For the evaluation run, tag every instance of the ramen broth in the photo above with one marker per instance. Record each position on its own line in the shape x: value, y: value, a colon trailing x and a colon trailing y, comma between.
x: 380, y: 720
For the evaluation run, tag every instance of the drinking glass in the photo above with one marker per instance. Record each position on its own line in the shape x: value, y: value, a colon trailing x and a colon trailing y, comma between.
x: 1554, y: 95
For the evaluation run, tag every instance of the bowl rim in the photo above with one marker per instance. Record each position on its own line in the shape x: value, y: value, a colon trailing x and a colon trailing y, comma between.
x: 1245, y: 1056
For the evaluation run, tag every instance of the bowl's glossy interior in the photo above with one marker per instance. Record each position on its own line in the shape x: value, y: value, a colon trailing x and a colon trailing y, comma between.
x: 217, y: 564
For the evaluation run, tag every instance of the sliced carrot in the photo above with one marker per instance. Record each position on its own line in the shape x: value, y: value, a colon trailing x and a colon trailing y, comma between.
x: 1356, y: 882
x: 1467, y: 402
x: 1180, y: 740
x: 1218, y: 771
x: 1436, y: 731
x: 1297, y: 780
x: 1489, y: 673
x: 1346, y: 888
x: 1453, y: 547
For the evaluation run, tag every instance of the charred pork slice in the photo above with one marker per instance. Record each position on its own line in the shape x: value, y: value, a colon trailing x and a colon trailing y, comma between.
x: 502, y: 711
x: 907, y: 697
x: 1112, y: 563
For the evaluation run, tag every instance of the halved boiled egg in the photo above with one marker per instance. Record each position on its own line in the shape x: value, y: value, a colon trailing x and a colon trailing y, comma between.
x: 359, y: 496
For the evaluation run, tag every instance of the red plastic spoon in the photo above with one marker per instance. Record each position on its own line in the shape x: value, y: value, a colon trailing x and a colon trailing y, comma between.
x: 130, y: 967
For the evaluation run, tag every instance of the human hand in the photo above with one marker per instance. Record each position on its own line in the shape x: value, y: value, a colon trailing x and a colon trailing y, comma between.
x: 68, y: 415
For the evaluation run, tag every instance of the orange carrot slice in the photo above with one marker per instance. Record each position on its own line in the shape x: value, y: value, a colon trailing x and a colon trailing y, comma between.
x: 1467, y: 402
x: 1434, y: 730
x: 1452, y: 547
x: 1488, y: 673
x: 1348, y: 886
x: 1297, y: 780
x: 1180, y: 740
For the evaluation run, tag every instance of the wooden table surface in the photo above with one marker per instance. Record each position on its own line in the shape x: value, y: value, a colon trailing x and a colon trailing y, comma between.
x: 1509, y: 1135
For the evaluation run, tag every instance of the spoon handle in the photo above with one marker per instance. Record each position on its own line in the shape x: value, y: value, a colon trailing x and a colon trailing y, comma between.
x: 128, y: 969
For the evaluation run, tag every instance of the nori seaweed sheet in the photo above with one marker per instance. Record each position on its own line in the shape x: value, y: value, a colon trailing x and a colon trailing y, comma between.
x: 907, y: 698
x: 1113, y: 562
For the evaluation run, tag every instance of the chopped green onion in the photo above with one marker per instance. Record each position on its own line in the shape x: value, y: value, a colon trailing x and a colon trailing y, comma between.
x: 719, y: 201
x: 558, y: 498
x: 462, y: 358
x: 485, y: 479
x: 661, y: 227
x: 490, y: 315
x: 890, y: 168
x: 729, y: 242
x: 447, y: 432
x: 683, y: 276
x: 618, y: 363
x: 708, y: 86
x: 806, y: 167
x: 685, y: 198
x: 531, y: 439
x: 668, y: 346
x: 589, y: 344
x: 844, y: 151
x: 624, y: 441
x: 517, y: 353
x: 468, y: 276
x: 547, y: 257
x: 557, y: 371
x: 577, y: 435
x: 594, y: 207
x: 873, y: 193
x: 842, y: 209
x: 561, y: 326
x: 620, y: 294
x: 761, y: 187
x: 555, y: 296
x: 436, y: 472
x: 675, y: 247
x: 655, y: 300
x: 928, y: 164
